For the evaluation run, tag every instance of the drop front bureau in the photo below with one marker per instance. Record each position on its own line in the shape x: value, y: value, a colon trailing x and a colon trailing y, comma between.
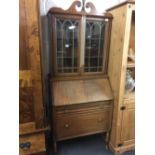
x: 81, y: 95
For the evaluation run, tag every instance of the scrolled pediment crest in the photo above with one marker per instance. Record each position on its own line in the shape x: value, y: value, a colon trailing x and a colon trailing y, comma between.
x: 79, y: 7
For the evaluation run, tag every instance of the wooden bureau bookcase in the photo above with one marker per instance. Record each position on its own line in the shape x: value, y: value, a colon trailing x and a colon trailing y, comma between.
x: 31, y: 108
x: 81, y: 95
x: 122, y: 47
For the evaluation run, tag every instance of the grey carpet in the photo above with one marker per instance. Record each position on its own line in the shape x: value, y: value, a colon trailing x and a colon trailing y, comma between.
x: 90, y: 145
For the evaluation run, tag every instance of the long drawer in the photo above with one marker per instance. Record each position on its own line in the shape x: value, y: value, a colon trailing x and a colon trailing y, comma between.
x: 82, y: 120
x: 32, y: 144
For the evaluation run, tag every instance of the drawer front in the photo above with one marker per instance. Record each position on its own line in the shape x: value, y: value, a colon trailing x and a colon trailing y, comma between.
x: 31, y: 144
x: 85, y: 122
x: 82, y: 108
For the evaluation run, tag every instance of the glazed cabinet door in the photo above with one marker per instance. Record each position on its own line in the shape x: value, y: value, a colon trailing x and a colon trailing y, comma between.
x: 66, y: 47
x: 79, y: 44
x: 128, y: 125
x: 96, y: 36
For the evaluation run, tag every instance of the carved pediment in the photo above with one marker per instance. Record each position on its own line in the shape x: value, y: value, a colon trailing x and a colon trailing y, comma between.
x: 80, y: 8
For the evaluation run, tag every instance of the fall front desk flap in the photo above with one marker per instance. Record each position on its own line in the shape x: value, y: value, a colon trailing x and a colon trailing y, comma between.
x: 81, y: 91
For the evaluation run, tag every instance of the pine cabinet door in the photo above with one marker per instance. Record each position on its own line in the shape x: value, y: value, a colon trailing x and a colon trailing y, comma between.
x: 128, y: 125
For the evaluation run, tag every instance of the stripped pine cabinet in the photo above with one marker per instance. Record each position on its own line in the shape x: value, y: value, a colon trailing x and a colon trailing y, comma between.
x: 121, y: 69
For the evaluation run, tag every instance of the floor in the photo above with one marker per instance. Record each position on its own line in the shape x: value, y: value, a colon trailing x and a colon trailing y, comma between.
x: 90, y: 145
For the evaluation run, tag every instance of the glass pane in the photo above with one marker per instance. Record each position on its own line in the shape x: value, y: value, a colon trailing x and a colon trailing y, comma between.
x: 67, y: 45
x: 94, y: 44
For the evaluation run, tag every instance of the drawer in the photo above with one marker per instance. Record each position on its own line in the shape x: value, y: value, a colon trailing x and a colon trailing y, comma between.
x: 83, y: 108
x: 76, y: 123
x: 31, y: 144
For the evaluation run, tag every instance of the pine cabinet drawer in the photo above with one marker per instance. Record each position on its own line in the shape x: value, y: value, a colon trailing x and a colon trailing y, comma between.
x: 32, y: 144
x: 82, y: 121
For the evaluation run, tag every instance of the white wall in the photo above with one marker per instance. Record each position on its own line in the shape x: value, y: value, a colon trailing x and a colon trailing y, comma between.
x: 100, y: 5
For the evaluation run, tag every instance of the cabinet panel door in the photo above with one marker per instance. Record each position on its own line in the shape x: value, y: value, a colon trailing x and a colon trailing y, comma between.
x: 128, y: 125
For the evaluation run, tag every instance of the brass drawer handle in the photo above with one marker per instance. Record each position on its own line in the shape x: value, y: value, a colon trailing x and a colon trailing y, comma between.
x: 25, y: 146
x: 66, y: 125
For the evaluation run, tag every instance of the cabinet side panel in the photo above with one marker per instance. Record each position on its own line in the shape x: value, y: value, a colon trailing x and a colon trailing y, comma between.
x: 23, y: 54
x: 26, y: 106
x: 132, y: 33
x: 115, y: 64
x: 31, y: 9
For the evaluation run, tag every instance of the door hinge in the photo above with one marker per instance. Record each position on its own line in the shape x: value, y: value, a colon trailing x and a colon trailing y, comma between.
x: 123, y: 108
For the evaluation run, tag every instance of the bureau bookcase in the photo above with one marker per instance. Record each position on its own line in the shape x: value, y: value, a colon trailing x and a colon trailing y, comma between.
x: 81, y: 95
